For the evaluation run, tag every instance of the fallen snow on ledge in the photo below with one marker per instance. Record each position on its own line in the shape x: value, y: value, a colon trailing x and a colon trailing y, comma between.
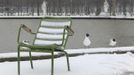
x: 76, y: 16
x: 104, y: 64
x: 23, y: 54
x: 71, y: 51
x: 93, y: 50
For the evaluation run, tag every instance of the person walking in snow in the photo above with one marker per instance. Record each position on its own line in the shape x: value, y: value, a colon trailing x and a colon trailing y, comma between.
x: 87, y: 41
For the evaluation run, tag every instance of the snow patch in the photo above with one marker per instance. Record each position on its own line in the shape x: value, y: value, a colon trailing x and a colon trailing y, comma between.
x: 109, y: 64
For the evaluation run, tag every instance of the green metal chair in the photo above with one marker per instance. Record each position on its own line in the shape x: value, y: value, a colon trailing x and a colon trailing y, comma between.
x: 52, y: 36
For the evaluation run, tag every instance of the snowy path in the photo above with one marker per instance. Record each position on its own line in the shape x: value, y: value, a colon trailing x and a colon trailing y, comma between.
x: 109, y: 64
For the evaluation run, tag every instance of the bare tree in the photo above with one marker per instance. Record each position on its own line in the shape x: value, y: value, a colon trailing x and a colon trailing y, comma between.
x: 131, y: 5
x: 113, y: 7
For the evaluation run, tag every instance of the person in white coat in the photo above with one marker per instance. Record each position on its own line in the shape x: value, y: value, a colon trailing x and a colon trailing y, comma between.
x: 87, y: 41
x: 112, y: 42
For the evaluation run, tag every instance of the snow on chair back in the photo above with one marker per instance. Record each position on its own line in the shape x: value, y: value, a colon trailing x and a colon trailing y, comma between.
x: 52, y: 32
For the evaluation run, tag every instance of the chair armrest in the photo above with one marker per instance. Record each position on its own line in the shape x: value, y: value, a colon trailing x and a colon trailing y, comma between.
x: 27, y: 29
x: 70, y: 31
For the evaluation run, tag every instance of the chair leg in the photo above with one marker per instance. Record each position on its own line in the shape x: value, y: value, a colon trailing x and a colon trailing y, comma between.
x: 18, y: 59
x: 31, y: 62
x: 52, y: 63
x: 67, y: 57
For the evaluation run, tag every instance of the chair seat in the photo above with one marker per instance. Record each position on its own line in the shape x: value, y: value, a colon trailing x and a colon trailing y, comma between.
x: 44, y: 48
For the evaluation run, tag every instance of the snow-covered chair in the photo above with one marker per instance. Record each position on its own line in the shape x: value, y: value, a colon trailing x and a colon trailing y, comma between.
x: 51, y: 37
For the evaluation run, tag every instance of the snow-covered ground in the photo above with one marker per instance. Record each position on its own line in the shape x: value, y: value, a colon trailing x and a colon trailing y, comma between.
x: 97, y: 64
x: 76, y: 16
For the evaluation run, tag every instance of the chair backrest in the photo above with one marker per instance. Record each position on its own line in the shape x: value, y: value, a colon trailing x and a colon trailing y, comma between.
x: 52, y: 31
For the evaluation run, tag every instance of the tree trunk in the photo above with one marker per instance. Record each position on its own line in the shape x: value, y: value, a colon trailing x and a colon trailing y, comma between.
x: 113, y: 7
